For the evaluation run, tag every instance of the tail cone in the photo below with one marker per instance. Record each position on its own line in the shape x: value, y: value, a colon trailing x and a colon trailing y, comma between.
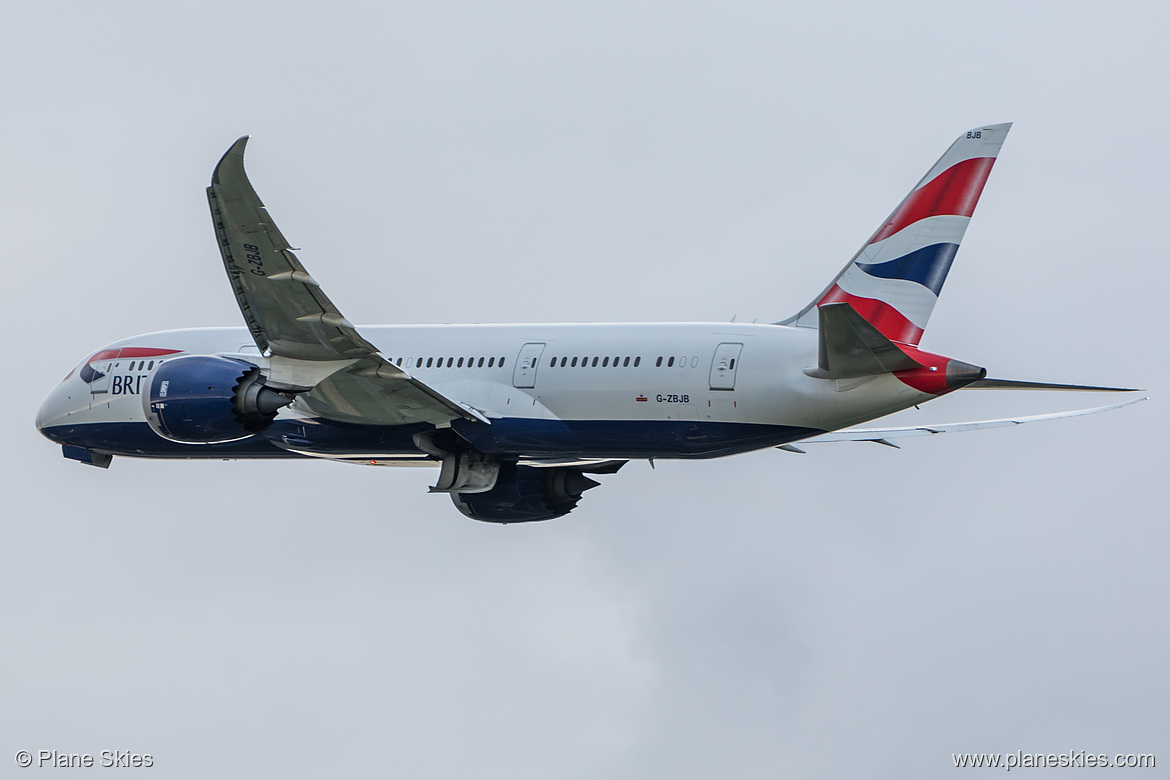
x: 960, y: 374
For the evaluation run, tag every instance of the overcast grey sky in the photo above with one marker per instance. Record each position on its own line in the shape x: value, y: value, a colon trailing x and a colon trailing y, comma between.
x: 853, y: 612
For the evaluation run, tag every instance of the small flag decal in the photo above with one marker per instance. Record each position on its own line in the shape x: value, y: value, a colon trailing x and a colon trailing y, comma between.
x: 641, y: 398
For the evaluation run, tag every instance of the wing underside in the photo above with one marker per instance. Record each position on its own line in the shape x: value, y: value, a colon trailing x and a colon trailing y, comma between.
x: 885, y: 435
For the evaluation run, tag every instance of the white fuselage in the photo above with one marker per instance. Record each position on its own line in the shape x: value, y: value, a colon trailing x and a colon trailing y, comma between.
x: 617, y: 386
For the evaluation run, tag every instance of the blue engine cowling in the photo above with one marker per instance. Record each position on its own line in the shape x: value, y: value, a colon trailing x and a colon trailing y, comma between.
x: 523, y: 494
x: 206, y: 399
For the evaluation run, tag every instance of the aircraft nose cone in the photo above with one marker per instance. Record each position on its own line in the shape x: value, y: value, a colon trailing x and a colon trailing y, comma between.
x: 44, y: 414
x: 960, y: 374
x: 55, y: 407
x: 43, y: 417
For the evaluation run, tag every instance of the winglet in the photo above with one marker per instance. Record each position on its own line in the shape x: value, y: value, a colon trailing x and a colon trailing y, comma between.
x: 234, y: 157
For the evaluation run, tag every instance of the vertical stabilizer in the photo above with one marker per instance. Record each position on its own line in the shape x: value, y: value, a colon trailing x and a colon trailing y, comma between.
x: 894, y: 281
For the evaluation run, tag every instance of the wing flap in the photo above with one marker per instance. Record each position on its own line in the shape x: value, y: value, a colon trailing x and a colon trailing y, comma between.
x: 374, y: 392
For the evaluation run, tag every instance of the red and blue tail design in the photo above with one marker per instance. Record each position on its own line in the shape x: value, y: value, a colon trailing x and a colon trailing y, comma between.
x: 894, y: 281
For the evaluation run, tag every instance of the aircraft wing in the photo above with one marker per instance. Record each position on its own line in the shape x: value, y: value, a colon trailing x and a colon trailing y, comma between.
x: 1014, y: 384
x: 291, y: 318
x: 285, y: 308
x: 884, y: 435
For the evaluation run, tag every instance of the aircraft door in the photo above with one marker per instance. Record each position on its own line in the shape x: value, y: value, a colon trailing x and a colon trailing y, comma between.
x: 102, y: 370
x: 724, y: 365
x: 524, y: 375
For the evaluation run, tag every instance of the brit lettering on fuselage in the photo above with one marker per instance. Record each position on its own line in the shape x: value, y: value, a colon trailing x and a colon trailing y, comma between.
x: 126, y: 384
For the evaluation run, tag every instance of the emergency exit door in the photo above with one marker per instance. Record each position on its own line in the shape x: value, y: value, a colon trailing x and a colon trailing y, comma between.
x: 723, y: 366
x: 524, y: 375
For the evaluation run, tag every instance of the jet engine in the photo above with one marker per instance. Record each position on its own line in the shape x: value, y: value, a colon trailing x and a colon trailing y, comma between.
x: 524, y: 494
x: 206, y: 399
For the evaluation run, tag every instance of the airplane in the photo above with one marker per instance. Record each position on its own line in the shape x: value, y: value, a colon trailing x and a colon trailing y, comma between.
x: 519, y: 418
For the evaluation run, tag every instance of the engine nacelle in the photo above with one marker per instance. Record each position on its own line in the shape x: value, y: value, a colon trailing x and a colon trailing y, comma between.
x: 206, y: 399
x: 523, y: 494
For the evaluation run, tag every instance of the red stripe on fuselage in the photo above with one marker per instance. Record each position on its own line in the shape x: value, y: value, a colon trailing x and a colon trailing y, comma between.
x: 888, y: 320
x: 955, y: 192
x: 132, y: 352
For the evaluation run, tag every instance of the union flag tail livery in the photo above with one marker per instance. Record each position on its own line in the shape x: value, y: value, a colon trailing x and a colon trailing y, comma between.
x: 894, y: 280
x: 519, y: 418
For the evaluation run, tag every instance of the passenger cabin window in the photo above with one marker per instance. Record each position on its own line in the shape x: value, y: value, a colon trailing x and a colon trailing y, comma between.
x: 637, y: 361
x: 626, y: 362
x: 670, y: 363
x: 658, y: 363
x: 429, y: 361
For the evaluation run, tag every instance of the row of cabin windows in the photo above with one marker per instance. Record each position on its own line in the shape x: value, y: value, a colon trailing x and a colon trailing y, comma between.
x: 141, y: 363
x: 433, y: 362
x: 623, y: 362
x: 604, y: 362
x: 682, y: 362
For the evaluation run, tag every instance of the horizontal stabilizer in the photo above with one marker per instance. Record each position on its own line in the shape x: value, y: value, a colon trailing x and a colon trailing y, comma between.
x: 1013, y: 384
x: 851, y: 347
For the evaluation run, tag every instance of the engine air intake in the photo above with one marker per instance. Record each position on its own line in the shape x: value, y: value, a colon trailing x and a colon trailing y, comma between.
x: 207, y: 399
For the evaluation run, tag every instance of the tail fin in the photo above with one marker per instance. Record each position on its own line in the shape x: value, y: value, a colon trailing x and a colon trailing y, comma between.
x: 894, y: 280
